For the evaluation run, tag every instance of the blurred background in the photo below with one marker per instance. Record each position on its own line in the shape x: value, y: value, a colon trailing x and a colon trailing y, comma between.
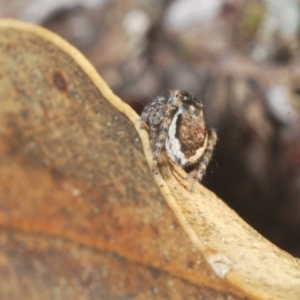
x: 240, y: 57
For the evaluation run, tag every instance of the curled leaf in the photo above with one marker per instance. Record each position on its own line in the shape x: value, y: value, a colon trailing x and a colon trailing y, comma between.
x: 81, y: 216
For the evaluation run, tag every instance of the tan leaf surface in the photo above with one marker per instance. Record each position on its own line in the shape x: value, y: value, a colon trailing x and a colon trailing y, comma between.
x: 82, y: 218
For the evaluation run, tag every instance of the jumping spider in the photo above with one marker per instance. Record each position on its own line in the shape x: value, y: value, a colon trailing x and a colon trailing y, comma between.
x: 178, y: 127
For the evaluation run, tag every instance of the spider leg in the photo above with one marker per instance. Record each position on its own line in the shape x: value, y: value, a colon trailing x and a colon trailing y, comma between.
x: 152, y: 114
x: 200, y: 169
x: 144, y: 118
x: 153, y: 136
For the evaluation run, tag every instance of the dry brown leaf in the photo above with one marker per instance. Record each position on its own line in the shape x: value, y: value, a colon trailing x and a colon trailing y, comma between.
x: 82, y: 218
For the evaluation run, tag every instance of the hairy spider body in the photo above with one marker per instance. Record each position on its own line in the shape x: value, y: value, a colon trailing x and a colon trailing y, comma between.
x: 186, y: 139
x: 178, y: 126
x: 158, y: 116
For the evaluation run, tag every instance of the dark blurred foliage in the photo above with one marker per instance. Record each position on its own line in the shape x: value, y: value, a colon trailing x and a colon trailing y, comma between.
x: 240, y: 57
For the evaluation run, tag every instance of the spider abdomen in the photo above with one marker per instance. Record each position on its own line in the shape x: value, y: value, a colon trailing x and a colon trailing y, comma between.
x: 187, y: 138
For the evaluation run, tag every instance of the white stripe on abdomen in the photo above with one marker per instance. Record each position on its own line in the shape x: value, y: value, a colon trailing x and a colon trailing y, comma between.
x: 173, y: 147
